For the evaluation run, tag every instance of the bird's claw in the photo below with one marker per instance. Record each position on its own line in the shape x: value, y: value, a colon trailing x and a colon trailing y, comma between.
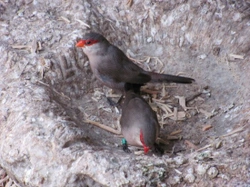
x: 158, y: 149
x: 125, y: 146
x: 126, y: 149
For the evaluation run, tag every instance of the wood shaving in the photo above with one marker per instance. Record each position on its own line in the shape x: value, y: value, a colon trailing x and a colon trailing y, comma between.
x: 207, y: 114
x: 33, y: 47
x: 106, y: 109
x: 113, y: 95
x: 94, y: 99
x: 205, y: 147
x: 139, y: 152
x: 190, y: 144
x: 164, y: 107
x: 65, y: 19
x: 116, y: 110
x: 163, y: 91
x: 54, y: 90
x: 175, y: 117
x: 207, y: 127
x: 105, y: 127
x: 175, y: 132
x: 228, y: 108
x: 152, y: 92
x: 83, y: 23
x: 178, y: 115
x: 174, y: 137
x: 205, y: 90
x: 234, y: 131
x: 20, y: 46
x: 235, y: 56
x: 158, y: 100
x: 160, y: 140
x: 39, y: 46
x: 177, y: 171
x: 182, y: 102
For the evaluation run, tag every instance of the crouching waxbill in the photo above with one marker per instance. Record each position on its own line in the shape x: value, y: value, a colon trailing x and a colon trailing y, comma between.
x: 139, y: 124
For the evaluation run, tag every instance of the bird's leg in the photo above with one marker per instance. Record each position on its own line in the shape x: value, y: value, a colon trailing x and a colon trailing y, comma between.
x: 120, y: 100
x: 125, y: 146
x: 113, y: 103
x: 158, y: 149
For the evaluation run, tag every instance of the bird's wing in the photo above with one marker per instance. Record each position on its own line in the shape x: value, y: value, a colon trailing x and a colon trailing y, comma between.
x: 129, y: 71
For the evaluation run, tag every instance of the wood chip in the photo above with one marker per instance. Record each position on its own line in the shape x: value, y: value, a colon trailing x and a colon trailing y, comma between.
x: 234, y: 131
x: 158, y: 100
x: 235, y: 56
x: 205, y: 147
x: 182, y: 102
x: 160, y: 140
x: 178, y: 115
x: 190, y: 144
x: 20, y: 46
x: 54, y: 90
x: 129, y: 3
x: 139, y: 152
x: 39, y: 46
x: 83, y: 23
x: 65, y: 19
x: 174, y: 137
x: 207, y: 114
x: 207, y: 127
x: 164, y: 107
x: 113, y: 95
x: 150, y: 91
x: 177, y: 171
x: 175, y: 114
x: 176, y: 132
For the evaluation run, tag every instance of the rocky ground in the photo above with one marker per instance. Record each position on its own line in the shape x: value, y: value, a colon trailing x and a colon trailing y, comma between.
x: 47, y: 92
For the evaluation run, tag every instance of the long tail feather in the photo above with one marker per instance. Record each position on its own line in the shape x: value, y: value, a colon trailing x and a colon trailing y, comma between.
x: 156, y: 77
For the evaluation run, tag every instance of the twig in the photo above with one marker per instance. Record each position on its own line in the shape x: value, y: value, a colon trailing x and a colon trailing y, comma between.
x: 85, y: 24
x: 107, y: 128
x: 129, y: 3
x: 152, y: 92
x: 205, y: 147
x: 175, y: 132
x: 160, y: 140
x: 234, y: 131
x: 61, y: 94
x: 190, y: 98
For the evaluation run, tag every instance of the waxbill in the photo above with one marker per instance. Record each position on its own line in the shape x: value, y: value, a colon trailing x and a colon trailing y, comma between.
x: 113, y: 68
x: 139, y: 124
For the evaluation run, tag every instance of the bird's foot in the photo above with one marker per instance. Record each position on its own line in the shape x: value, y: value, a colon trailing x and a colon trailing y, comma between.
x: 158, y: 150
x: 113, y: 103
x: 125, y: 146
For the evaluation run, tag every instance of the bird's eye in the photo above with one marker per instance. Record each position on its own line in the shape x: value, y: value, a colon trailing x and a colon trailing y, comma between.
x: 88, y: 42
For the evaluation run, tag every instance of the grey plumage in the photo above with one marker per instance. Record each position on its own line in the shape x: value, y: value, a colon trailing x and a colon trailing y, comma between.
x: 113, y: 68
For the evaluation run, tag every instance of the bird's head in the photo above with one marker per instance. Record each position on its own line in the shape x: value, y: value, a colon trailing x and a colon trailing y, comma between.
x: 92, y: 43
x: 87, y: 42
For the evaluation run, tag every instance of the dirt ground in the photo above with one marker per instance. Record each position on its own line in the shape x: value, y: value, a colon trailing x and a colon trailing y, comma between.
x: 208, y: 134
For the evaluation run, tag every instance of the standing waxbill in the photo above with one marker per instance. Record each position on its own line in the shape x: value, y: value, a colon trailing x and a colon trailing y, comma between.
x: 113, y: 68
x: 139, y: 124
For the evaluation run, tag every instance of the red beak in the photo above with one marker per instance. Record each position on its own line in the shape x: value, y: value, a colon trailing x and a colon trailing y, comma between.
x: 81, y: 43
